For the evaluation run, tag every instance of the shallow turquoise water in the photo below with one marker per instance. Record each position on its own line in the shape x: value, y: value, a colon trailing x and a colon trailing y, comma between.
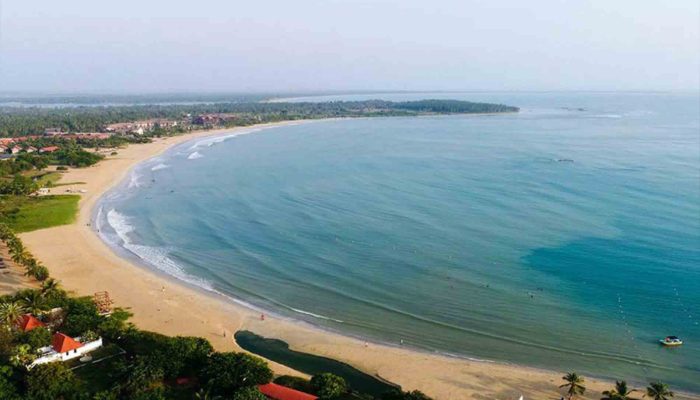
x: 557, y: 238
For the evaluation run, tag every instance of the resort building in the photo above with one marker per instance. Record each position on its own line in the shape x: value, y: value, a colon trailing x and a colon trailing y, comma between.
x: 274, y: 391
x: 48, y: 149
x: 64, y: 348
x: 29, y: 322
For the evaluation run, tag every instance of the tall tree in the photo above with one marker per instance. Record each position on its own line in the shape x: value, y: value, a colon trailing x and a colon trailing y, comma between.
x: 659, y: 391
x: 620, y: 392
x: 11, y: 312
x: 574, y: 385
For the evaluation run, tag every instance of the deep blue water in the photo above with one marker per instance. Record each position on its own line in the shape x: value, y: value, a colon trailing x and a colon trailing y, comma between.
x: 558, y: 238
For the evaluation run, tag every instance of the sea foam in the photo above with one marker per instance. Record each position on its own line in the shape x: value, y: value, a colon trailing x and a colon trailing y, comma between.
x: 195, y: 156
x: 159, y: 167
x: 155, y: 256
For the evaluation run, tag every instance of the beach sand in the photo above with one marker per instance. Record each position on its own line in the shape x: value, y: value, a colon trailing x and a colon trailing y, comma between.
x: 84, y: 264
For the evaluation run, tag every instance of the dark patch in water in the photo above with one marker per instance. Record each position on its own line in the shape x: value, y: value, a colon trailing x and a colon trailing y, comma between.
x: 279, y: 351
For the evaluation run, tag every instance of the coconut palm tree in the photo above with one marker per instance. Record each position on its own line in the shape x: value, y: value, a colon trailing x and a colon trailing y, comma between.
x: 659, y: 391
x: 574, y: 385
x: 32, y: 301
x: 621, y: 392
x: 11, y: 312
x: 203, y: 394
x: 49, y: 287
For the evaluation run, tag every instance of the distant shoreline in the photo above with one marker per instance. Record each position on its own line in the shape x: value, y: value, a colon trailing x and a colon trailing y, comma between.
x: 86, y: 264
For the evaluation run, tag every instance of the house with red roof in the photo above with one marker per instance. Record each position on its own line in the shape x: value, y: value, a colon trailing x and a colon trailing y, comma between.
x: 64, y: 348
x: 48, y: 149
x: 28, y: 322
x: 274, y: 391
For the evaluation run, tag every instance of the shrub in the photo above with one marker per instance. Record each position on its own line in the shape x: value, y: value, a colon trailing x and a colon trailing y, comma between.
x: 295, y: 382
x: 51, y: 381
x: 249, y: 393
x: 229, y: 372
x: 40, y: 273
x: 37, y: 337
x: 328, y: 386
x: 82, y: 316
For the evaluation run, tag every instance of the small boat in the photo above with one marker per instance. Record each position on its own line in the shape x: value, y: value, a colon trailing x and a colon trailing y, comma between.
x: 671, y: 341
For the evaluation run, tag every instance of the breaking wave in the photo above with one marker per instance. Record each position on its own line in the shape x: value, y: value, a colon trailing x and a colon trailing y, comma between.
x: 155, y: 256
x: 195, y: 156
x: 159, y: 167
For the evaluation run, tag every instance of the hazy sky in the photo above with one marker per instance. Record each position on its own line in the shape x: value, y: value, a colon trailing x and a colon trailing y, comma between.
x: 287, y: 45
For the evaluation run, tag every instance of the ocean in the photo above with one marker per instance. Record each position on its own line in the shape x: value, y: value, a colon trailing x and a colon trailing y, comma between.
x: 566, y: 236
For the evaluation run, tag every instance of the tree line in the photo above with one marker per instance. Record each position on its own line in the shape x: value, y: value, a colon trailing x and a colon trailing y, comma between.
x: 22, y: 121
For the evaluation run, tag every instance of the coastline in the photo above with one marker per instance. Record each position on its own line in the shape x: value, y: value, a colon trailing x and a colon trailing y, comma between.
x: 85, y: 264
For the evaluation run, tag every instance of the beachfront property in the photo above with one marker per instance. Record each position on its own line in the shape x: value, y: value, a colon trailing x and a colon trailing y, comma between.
x: 64, y: 348
x: 48, y: 149
x: 212, y: 119
x: 274, y: 391
x: 140, y: 127
x: 28, y: 322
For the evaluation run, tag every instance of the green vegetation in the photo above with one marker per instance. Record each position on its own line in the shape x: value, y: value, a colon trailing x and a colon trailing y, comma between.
x: 574, y: 385
x: 279, y: 351
x: 328, y: 386
x: 659, y: 391
x: 24, y: 214
x: 24, y: 258
x: 22, y: 121
x: 620, y: 392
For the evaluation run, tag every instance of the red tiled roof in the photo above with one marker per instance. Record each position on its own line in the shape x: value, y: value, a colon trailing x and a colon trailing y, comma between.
x: 48, y: 149
x: 279, y: 392
x: 29, y: 322
x: 63, y: 343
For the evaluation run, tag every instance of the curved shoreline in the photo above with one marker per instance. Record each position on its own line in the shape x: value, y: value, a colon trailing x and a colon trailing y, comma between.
x: 86, y: 264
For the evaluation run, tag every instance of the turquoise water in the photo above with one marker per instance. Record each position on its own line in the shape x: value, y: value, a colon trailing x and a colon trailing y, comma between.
x: 559, y: 238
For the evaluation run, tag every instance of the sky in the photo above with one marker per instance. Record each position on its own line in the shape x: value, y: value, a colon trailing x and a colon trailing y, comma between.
x: 147, y: 46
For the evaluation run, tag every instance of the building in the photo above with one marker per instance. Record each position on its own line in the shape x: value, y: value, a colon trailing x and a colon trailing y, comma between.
x: 48, y: 149
x: 64, y: 348
x: 274, y: 391
x: 30, y: 149
x: 15, y: 149
x: 53, y: 132
x: 29, y: 322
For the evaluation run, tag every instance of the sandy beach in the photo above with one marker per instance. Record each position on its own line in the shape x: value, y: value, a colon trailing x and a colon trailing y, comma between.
x: 77, y: 257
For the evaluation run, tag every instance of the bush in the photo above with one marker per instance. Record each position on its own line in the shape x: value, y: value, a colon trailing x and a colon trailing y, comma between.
x: 229, y: 372
x: 82, y: 316
x: 399, y: 395
x: 116, y: 324
x: 328, y: 386
x: 37, y: 337
x: 40, y: 273
x: 8, y: 391
x: 61, y: 168
x: 295, y: 382
x: 249, y: 393
x: 51, y: 381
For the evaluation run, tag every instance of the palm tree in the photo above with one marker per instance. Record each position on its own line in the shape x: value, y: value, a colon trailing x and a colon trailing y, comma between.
x: 49, y: 287
x: 33, y: 301
x: 11, y: 312
x: 659, y: 391
x: 621, y: 392
x: 205, y: 395
x: 574, y: 385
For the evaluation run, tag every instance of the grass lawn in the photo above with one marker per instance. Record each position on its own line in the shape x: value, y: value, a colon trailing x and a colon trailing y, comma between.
x: 24, y: 214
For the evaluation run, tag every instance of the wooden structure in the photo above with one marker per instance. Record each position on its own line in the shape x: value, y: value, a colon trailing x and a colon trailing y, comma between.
x: 103, y: 302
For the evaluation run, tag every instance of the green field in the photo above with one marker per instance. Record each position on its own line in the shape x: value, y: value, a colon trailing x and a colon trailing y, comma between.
x: 24, y: 214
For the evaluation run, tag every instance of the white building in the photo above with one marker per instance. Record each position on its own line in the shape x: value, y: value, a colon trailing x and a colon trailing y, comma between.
x: 64, y: 348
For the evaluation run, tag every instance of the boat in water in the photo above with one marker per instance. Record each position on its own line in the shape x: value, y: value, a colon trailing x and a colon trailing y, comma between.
x: 671, y: 341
